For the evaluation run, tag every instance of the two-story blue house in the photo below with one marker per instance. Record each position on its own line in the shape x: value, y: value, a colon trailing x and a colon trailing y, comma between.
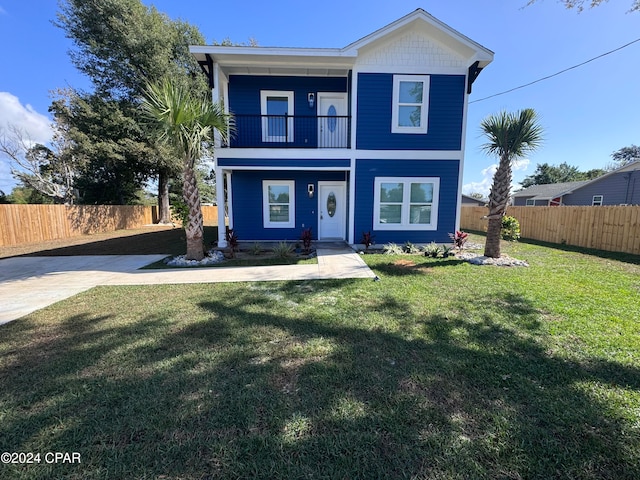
x: 365, y: 138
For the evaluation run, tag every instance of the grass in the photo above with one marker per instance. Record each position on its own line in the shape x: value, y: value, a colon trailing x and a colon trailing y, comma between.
x: 440, y: 370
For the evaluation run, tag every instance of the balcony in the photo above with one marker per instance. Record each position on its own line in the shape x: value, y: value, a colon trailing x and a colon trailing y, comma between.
x: 291, y: 131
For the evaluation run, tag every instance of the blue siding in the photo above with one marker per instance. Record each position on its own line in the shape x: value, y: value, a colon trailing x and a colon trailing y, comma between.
x: 446, y: 105
x: 616, y: 189
x: 247, y: 203
x: 284, y: 162
x: 244, y: 99
x: 367, y: 170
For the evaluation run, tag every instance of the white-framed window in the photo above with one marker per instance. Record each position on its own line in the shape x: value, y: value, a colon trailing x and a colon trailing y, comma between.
x: 276, y: 108
x: 597, y: 201
x: 410, y: 104
x: 279, y: 203
x: 406, y: 203
x: 531, y: 202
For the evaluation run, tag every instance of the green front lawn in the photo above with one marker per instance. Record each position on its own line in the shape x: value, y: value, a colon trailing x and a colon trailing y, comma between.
x: 441, y: 370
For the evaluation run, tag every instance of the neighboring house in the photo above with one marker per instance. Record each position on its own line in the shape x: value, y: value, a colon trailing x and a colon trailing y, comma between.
x: 369, y: 137
x: 468, y: 200
x: 550, y: 194
x: 619, y: 187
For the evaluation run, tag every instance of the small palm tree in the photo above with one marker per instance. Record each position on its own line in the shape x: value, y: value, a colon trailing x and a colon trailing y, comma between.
x: 511, y: 136
x: 187, y: 124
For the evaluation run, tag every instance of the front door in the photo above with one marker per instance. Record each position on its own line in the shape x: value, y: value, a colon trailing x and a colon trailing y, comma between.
x: 333, y: 125
x: 332, y: 209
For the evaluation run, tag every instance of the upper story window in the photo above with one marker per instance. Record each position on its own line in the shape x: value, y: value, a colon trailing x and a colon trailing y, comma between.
x: 597, y: 201
x: 406, y: 203
x: 410, y: 104
x: 276, y: 108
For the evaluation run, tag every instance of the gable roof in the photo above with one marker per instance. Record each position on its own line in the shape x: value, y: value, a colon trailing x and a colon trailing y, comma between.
x: 549, y: 190
x: 334, y: 61
x: 554, y: 190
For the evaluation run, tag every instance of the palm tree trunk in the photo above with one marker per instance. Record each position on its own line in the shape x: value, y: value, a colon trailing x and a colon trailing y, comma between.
x: 498, y: 200
x: 164, y: 215
x: 194, y: 229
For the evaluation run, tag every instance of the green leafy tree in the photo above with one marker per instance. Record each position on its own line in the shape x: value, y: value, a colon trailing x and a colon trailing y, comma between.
x: 545, y: 174
x: 624, y: 156
x: 121, y: 45
x: 186, y: 122
x: 510, y: 136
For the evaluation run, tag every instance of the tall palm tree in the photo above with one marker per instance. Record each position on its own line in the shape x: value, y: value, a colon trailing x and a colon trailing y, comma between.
x: 511, y: 136
x: 186, y: 123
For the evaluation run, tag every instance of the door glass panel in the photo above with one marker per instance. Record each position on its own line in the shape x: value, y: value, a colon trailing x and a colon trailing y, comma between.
x: 331, y: 204
x: 332, y: 121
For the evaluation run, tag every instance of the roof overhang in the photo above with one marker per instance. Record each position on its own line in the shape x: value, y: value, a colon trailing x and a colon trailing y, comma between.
x: 275, y: 60
x: 337, y: 61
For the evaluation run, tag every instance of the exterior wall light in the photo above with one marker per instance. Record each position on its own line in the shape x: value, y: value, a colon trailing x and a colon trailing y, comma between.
x: 311, y: 97
x: 310, y: 190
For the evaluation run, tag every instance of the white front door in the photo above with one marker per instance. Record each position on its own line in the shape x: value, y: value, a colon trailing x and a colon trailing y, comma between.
x: 332, y: 208
x: 333, y: 124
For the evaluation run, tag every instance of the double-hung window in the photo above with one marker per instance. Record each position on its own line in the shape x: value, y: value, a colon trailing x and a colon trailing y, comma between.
x: 597, y: 201
x: 406, y: 203
x: 278, y: 203
x: 410, y: 104
x: 276, y: 109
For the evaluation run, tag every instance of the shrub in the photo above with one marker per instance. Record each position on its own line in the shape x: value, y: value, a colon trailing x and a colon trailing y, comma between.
x: 306, y: 238
x: 232, y: 241
x: 510, y: 229
x: 459, y: 238
x: 256, y: 248
x: 432, y: 250
x: 282, y: 250
x: 367, y: 239
x: 409, y: 247
x: 392, y: 249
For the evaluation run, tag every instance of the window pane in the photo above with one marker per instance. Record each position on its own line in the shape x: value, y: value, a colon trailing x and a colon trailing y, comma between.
x: 421, y: 192
x: 410, y: 92
x: 390, y: 213
x: 278, y: 194
x: 279, y: 213
x: 409, y: 116
x: 277, y: 105
x: 420, y: 214
x: 391, y: 192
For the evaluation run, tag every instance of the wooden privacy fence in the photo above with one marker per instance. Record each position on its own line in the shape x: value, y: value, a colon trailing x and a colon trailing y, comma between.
x: 21, y: 224
x: 614, y: 229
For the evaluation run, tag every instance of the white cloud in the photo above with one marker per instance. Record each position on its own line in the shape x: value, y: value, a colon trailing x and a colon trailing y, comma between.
x: 483, y: 186
x: 25, y: 118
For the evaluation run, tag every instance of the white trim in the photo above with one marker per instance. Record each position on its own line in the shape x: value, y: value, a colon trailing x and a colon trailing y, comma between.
x: 405, y: 223
x: 343, y: 187
x: 601, y: 201
x: 351, y: 199
x: 424, y: 105
x: 222, y: 241
x: 463, y: 146
x: 267, y: 223
x: 230, y: 198
x: 532, y: 204
x: 264, y: 95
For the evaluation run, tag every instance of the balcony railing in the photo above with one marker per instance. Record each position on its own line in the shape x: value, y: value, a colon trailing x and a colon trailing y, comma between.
x: 291, y: 131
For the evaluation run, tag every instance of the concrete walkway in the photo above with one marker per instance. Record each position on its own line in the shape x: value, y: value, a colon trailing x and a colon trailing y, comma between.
x: 28, y: 284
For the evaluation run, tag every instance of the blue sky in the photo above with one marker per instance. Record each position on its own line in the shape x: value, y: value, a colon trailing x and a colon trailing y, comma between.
x: 587, y: 113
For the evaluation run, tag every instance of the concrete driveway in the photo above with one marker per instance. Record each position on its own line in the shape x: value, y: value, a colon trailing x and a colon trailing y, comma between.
x: 28, y: 284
